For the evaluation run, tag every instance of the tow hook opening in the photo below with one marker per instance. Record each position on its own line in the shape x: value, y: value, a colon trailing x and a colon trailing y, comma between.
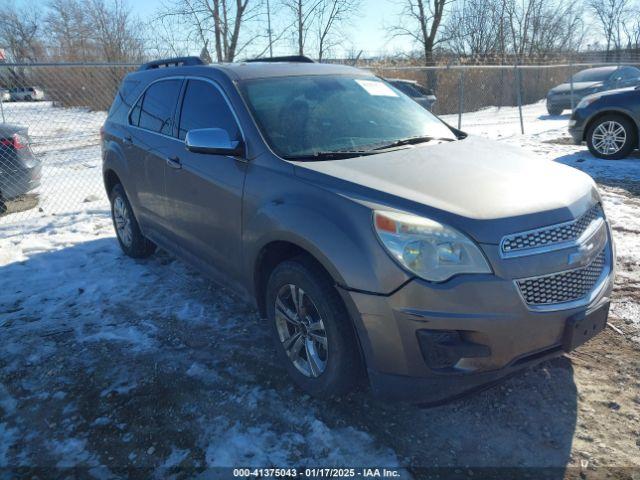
x: 443, y: 349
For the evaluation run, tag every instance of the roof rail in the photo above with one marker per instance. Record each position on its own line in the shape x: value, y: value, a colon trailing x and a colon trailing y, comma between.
x: 172, y: 62
x: 288, y: 58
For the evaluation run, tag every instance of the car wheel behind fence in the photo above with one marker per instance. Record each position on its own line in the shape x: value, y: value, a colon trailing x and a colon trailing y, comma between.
x: 555, y: 111
x: 612, y: 137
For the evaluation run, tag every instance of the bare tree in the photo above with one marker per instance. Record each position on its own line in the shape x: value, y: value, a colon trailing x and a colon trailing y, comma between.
x: 330, y: 18
x: 610, y: 14
x: 476, y: 28
x: 115, y: 31
x: 538, y: 27
x: 21, y: 32
x: 304, y: 13
x: 425, y: 18
x: 69, y: 31
x: 631, y: 28
x: 222, y: 21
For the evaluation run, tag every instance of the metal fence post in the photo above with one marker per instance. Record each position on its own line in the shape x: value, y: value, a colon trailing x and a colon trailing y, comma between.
x: 460, y: 98
x: 571, y: 81
x: 519, y: 96
x: 2, y: 106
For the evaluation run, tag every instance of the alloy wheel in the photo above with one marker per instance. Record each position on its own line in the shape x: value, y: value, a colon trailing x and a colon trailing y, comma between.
x: 301, y: 330
x: 122, y: 218
x: 609, y: 138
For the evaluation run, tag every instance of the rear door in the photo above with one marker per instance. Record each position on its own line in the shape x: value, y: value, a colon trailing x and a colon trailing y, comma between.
x: 205, y: 191
x: 150, y: 143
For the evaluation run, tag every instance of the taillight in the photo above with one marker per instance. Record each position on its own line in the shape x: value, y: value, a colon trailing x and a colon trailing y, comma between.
x: 16, y: 141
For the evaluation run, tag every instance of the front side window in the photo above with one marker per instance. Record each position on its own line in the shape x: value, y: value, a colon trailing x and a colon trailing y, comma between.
x: 310, y: 116
x: 205, y: 107
x: 154, y: 110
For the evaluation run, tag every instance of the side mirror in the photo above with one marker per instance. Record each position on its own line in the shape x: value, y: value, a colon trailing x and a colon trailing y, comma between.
x: 214, y: 141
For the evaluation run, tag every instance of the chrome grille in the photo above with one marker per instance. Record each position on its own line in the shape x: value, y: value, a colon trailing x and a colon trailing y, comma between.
x: 564, y: 286
x: 555, y: 234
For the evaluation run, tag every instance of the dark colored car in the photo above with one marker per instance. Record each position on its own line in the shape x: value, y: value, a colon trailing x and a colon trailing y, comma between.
x: 19, y: 169
x: 609, y: 122
x: 415, y: 91
x: 375, y: 240
x: 590, y: 81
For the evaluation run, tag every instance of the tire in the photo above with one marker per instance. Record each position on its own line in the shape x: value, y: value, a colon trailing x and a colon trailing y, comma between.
x: 555, y: 111
x: 622, y: 139
x: 130, y: 238
x: 338, y: 367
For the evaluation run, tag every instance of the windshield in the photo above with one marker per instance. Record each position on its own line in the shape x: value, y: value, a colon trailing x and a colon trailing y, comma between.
x: 592, y: 76
x: 310, y: 115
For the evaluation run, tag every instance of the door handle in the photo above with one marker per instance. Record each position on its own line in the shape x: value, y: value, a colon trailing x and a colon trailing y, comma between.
x: 128, y: 140
x: 174, y: 162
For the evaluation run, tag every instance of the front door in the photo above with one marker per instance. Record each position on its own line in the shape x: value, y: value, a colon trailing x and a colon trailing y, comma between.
x: 205, y: 191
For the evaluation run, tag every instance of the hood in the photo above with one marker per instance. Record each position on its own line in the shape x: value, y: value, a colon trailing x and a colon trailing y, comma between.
x: 474, y: 178
x: 577, y: 87
x: 609, y: 93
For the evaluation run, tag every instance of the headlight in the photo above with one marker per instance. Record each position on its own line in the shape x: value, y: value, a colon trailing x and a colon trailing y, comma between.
x: 585, y: 102
x: 431, y: 250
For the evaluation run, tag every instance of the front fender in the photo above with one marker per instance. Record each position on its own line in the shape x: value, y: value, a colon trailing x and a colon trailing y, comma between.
x: 608, y: 110
x: 335, y: 230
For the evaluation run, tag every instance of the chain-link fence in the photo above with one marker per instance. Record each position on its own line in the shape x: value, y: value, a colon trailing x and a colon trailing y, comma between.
x: 50, y: 136
x: 52, y: 113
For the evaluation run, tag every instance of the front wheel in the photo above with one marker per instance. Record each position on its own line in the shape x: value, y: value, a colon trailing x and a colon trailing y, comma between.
x: 130, y: 238
x: 314, y: 336
x: 555, y: 111
x: 612, y: 137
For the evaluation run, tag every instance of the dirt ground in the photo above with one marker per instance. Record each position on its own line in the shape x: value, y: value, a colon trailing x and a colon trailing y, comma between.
x: 20, y: 204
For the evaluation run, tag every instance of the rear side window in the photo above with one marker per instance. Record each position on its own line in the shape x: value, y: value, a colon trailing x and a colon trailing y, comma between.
x: 154, y: 111
x: 122, y: 102
x: 407, y: 89
x: 205, y: 107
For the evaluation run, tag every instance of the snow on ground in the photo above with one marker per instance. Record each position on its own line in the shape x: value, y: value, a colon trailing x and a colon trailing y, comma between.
x: 108, y: 362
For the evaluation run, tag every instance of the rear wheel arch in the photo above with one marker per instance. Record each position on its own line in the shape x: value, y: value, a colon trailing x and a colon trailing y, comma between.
x: 111, y: 179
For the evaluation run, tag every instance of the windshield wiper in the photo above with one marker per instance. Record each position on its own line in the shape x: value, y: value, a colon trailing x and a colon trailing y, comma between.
x: 411, y: 141
x: 336, y: 155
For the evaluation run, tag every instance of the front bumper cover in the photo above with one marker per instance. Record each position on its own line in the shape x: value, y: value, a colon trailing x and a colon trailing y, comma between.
x: 493, y: 324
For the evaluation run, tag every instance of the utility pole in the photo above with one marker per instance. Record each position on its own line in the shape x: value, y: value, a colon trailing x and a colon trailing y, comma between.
x: 269, y: 30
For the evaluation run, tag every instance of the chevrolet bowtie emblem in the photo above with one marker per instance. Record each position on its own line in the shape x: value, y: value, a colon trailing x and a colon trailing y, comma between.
x: 588, y: 249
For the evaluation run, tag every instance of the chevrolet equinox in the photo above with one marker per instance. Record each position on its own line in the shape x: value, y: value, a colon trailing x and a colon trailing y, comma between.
x: 376, y: 241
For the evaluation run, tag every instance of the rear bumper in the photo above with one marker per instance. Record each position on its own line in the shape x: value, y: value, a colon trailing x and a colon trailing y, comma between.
x: 483, y: 325
x: 16, y: 182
